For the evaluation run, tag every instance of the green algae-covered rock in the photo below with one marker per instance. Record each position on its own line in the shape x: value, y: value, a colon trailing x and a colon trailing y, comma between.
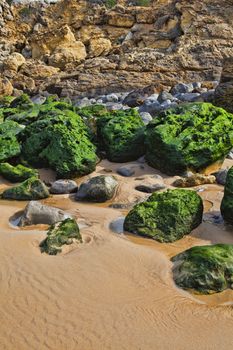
x: 121, y: 135
x: 65, y: 232
x: 191, y: 136
x: 9, y: 145
x: 5, y: 101
x: 166, y: 216
x: 24, y: 111
x: 205, y: 269
x: 30, y: 189
x: 16, y: 173
x: 60, y: 142
x: 92, y: 111
x: 227, y: 201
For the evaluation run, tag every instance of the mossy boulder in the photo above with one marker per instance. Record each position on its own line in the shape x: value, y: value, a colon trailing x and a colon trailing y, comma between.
x: 9, y: 145
x: 65, y: 232
x: 205, y: 269
x: 191, y: 136
x: 227, y: 201
x: 16, y: 173
x: 93, y: 111
x: 166, y: 216
x: 121, y: 134
x: 30, y: 189
x: 24, y: 111
x: 61, y: 142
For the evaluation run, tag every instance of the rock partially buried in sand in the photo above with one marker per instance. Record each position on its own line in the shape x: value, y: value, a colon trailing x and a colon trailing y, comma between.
x: 59, y: 234
x: 126, y: 171
x: 166, y: 216
x: 194, y: 180
x: 36, y: 213
x: 63, y: 187
x: 227, y: 201
x: 192, y: 136
x: 30, y: 189
x: 98, y: 189
x: 205, y: 269
x: 17, y: 173
x: 149, y: 188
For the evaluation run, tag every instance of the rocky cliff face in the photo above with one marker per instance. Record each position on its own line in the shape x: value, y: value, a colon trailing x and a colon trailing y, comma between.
x: 78, y: 48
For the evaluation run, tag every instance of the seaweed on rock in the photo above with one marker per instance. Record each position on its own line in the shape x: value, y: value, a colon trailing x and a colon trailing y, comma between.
x: 30, y: 189
x: 166, y: 216
x: 61, y: 142
x: 191, y: 136
x: 227, y: 201
x: 59, y: 234
x: 9, y: 145
x: 204, y: 269
x: 122, y: 135
x: 16, y: 173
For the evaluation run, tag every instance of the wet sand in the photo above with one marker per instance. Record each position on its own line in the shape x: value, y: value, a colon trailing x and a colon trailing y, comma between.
x: 112, y: 292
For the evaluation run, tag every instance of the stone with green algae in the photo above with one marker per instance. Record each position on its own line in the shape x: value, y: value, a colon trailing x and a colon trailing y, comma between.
x: 61, y: 142
x: 59, y: 234
x: 9, y: 144
x: 204, y: 269
x: 30, y: 189
x: 16, y: 173
x: 24, y: 111
x: 227, y: 201
x: 166, y: 216
x: 121, y: 135
x: 191, y: 136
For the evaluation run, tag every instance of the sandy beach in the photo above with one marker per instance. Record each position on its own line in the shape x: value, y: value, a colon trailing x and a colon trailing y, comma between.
x: 113, y: 292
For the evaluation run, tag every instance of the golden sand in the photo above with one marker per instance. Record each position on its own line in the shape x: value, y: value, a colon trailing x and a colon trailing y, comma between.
x: 114, y: 291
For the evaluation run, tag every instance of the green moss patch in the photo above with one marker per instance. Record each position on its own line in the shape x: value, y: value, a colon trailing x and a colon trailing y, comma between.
x: 60, y: 142
x: 30, y: 189
x: 9, y: 145
x: 166, y: 216
x: 227, y: 201
x: 205, y: 269
x: 16, y: 173
x: 62, y: 233
x: 191, y: 136
x: 122, y: 135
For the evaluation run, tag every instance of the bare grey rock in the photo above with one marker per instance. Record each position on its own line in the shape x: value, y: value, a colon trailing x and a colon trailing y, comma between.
x: 98, y: 189
x: 37, y: 213
x: 63, y: 187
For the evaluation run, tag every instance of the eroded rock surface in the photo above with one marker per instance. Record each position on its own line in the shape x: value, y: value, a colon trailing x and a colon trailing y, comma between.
x: 101, y: 49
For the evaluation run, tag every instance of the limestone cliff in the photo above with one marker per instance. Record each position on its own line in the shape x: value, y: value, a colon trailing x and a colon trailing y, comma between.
x: 88, y: 47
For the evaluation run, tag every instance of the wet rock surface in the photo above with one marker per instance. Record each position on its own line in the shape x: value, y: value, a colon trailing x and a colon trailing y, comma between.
x: 30, y: 189
x: 205, y: 269
x: 62, y: 233
x: 98, y: 189
x: 63, y: 187
x: 37, y: 213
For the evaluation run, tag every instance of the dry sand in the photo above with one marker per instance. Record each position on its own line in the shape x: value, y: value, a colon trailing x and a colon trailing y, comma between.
x: 113, y: 292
